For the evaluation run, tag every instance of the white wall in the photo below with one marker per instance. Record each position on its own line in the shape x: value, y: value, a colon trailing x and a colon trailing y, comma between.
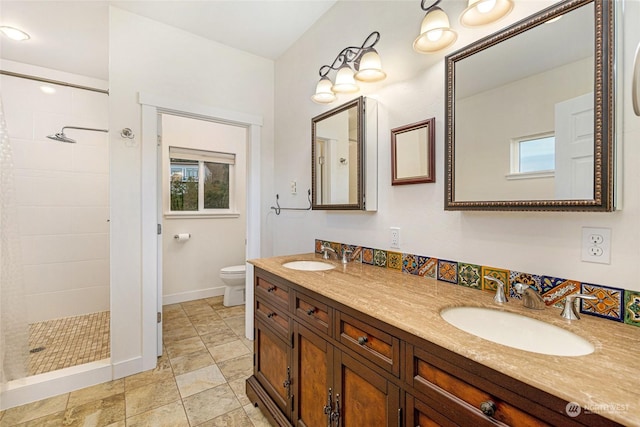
x: 149, y: 57
x: 62, y: 193
x: 537, y: 242
x: 191, y: 269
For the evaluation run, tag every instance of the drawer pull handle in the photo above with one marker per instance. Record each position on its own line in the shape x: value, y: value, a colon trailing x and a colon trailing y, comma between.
x: 362, y: 340
x: 488, y: 408
x: 270, y: 315
x: 311, y: 311
x: 271, y: 289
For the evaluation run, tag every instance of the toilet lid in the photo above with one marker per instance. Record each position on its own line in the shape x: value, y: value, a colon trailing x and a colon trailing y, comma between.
x: 234, y: 269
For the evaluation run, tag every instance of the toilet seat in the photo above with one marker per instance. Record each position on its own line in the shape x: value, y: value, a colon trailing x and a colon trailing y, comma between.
x: 234, y: 270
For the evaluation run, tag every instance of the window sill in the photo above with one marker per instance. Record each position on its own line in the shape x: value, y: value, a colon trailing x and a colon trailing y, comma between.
x: 199, y: 215
x: 530, y: 175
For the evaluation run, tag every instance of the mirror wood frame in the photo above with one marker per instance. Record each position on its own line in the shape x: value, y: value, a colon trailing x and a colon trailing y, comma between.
x: 430, y: 176
x: 358, y: 103
x: 604, y: 122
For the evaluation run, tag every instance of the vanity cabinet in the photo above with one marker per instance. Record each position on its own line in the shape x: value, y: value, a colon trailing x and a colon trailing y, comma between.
x: 319, y: 363
x: 334, y: 389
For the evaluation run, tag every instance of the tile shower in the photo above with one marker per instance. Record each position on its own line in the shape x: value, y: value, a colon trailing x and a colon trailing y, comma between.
x: 62, y: 201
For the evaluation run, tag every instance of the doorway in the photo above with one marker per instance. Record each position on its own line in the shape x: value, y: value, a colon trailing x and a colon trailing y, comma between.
x: 203, y: 204
x: 152, y: 107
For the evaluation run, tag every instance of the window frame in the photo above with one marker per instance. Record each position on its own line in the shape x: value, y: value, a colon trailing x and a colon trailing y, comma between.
x: 202, y: 157
x: 514, y: 158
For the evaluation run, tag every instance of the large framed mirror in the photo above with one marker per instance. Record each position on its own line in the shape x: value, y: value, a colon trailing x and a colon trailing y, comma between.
x: 412, y: 153
x: 529, y: 114
x: 343, y: 155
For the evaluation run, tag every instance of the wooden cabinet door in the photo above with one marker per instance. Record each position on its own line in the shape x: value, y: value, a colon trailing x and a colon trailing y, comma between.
x: 313, y: 357
x: 273, y: 366
x: 365, y: 397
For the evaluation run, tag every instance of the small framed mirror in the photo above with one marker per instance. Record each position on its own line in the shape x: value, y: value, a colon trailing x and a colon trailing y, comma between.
x: 412, y: 153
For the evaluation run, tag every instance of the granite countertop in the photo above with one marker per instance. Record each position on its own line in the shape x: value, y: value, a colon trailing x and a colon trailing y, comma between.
x: 605, y: 382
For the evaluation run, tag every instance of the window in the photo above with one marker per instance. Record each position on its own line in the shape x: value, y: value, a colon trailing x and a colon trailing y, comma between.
x: 201, y: 181
x: 533, y: 156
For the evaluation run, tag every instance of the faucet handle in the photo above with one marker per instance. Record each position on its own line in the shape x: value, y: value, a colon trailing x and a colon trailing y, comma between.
x: 570, y: 310
x: 501, y: 296
x: 521, y: 287
x: 345, y: 259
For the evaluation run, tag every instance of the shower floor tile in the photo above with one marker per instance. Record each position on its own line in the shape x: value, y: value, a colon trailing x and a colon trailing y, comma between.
x: 70, y: 341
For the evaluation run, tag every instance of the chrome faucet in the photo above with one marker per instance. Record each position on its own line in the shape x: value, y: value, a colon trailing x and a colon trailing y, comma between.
x: 345, y: 258
x: 570, y: 310
x: 501, y: 296
x: 325, y: 251
x: 530, y: 296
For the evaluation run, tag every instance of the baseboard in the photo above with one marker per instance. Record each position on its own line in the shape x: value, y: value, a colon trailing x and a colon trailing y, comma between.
x: 127, y: 367
x: 192, y: 295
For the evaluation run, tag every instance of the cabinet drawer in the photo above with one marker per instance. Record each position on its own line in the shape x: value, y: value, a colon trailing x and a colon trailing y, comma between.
x: 273, y: 317
x: 314, y: 313
x: 460, y: 401
x: 378, y: 346
x: 272, y: 292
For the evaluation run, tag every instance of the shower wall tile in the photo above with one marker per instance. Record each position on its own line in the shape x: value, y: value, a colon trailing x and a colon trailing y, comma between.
x: 92, y: 159
x: 55, y: 277
x: 92, y: 190
x: 47, y: 277
x: 74, y: 302
x: 21, y: 123
x: 89, y: 220
x: 90, y: 106
x: 91, y: 273
x: 62, y: 193
x: 38, y: 220
x: 48, y: 188
x: 64, y: 248
x: 41, y: 155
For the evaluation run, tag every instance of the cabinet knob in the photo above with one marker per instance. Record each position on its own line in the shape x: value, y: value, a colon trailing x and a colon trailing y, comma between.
x: 270, y: 315
x: 311, y: 311
x: 488, y: 408
x: 271, y: 289
x: 362, y: 340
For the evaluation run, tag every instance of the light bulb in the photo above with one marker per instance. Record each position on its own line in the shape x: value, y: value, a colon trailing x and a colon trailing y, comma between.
x: 434, y: 35
x: 486, y: 6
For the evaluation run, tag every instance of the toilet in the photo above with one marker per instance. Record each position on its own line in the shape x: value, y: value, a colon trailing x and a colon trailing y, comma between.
x: 234, y: 280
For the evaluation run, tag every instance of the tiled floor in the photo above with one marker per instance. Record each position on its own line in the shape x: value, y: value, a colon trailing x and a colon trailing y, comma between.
x: 60, y: 343
x: 199, y: 381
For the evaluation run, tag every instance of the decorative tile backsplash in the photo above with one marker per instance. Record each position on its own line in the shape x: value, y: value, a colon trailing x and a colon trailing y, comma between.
x: 615, y: 304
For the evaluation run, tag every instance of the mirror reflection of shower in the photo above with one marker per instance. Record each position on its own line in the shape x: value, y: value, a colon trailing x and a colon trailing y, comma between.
x: 64, y: 138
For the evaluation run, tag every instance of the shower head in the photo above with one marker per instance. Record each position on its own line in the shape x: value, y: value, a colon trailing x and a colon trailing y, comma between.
x: 64, y: 138
x: 61, y: 137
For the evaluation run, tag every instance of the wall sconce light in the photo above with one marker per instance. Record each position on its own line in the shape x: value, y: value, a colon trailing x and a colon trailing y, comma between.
x: 436, y: 33
x: 482, y: 12
x: 368, y: 68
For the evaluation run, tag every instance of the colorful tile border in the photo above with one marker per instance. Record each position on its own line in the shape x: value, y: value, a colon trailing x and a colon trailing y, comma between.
x: 615, y: 304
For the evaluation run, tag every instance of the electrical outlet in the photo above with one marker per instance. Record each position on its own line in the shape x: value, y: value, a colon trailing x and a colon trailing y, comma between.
x: 395, y: 237
x: 294, y: 187
x: 596, y: 245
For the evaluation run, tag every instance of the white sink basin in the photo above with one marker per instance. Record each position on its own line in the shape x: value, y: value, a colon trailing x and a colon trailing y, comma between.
x: 308, y: 265
x: 517, y: 331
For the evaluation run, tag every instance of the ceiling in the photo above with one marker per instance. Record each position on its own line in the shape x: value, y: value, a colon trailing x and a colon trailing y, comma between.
x: 73, y: 36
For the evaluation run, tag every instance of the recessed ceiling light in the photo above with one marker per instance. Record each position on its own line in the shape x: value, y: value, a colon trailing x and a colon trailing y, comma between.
x: 14, y: 33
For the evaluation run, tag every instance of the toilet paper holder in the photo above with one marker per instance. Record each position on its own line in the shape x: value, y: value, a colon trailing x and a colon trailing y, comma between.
x: 177, y: 236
